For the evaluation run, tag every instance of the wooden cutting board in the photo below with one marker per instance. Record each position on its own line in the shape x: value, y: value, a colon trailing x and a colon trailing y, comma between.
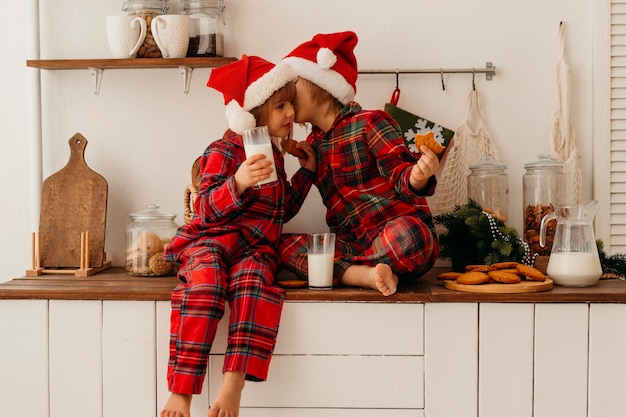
x: 495, y: 288
x: 73, y: 201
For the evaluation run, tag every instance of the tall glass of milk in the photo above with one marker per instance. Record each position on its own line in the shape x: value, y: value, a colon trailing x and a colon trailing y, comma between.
x: 321, y: 260
x: 257, y: 141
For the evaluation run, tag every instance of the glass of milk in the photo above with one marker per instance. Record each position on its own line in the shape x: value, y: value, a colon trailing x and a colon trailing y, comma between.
x: 320, y: 260
x: 257, y: 141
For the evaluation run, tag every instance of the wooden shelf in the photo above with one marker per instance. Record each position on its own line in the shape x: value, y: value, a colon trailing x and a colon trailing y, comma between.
x: 134, y: 63
x: 97, y: 66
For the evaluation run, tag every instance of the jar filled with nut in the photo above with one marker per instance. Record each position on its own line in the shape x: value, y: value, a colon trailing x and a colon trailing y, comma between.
x: 147, y: 235
x: 147, y: 10
x: 488, y: 185
x: 205, y: 20
x: 544, y: 188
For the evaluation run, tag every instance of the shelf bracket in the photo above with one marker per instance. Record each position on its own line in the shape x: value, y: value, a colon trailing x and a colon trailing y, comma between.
x: 186, y: 73
x: 96, y: 73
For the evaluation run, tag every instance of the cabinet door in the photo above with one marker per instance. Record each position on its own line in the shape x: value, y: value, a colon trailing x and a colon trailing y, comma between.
x: 24, y: 357
x: 607, y: 360
x: 75, y: 358
x: 505, y: 378
x: 128, y: 359
x: 339, y: 355
x: 561, y: 347
x: 450, y: 359
x: 332, y: 381
x: 344, y: 328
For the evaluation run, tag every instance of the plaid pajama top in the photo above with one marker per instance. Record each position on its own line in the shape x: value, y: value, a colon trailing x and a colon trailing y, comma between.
x: 363, y: 170
x: 241, y: 223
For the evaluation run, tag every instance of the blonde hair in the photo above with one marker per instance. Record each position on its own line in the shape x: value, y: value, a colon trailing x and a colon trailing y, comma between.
x: 286, y: 93
x: 321, y: 97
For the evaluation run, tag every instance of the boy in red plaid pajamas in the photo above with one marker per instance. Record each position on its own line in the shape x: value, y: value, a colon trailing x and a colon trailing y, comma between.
x: 373, y: 187
x: 228, y: 250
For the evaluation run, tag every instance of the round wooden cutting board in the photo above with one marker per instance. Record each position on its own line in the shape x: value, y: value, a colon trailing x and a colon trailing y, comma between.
x: 497, y: 288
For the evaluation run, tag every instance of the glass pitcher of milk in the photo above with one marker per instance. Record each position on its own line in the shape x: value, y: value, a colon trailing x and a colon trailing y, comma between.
x: 574, y: 259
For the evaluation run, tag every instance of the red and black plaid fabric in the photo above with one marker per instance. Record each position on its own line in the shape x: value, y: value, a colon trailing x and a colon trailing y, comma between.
x: 243, y: 222
x: 212, y: 279
x: 228, y: 254
x: 363, y: 170
x: 405, y: 243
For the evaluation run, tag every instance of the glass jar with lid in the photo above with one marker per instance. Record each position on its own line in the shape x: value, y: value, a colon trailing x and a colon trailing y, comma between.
x: 147, y: 9
x: 147, y: 235
x: 205, y: 20
x: 544, y: 188
x: 488, y: 185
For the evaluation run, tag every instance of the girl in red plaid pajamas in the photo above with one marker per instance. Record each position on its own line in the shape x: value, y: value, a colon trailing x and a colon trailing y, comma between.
x: 373, y: 187
x: 228, y: 251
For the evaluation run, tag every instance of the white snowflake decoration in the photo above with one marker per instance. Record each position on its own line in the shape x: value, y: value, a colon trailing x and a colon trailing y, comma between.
x: 422, y: 128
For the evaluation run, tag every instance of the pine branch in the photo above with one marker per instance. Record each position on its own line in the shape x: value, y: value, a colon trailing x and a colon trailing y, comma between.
x: 472, y: 238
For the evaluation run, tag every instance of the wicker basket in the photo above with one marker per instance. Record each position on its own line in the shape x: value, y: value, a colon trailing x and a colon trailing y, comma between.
x: 191, y: 191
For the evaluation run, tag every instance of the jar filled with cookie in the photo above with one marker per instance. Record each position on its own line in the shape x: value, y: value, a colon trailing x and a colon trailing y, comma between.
x: 147, y: 10
x: 544, y: 188
x: 147, y: 235
x: 488, y: 185
x: 206, y: 18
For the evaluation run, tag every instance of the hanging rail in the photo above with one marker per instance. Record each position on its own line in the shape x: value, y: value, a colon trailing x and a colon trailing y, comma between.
x: 489, y: 71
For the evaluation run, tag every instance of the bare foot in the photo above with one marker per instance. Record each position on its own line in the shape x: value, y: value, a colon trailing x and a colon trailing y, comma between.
x: 178, y: 405
x: 384, y: 279
x: 379, y: 277
x: 228, y: 398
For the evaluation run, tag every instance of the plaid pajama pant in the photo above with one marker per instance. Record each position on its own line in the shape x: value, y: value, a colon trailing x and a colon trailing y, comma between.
x: 405, y: 243
x: 198, y: 305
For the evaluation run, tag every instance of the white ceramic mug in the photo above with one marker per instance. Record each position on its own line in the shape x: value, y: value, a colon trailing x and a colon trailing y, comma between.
x: 125, y: 35
x: 321, y: 260
x: 171, y: 34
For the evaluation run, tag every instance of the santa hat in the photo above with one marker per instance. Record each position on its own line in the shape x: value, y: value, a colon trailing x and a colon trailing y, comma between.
x: 246, y: 84
x: 328, y: 60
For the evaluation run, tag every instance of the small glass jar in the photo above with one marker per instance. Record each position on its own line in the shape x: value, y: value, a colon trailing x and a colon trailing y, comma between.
x: 488, y: 185
x: 147, y: 235
x: 147, y: 10
x: 544, y: 188
x: 205, y: 20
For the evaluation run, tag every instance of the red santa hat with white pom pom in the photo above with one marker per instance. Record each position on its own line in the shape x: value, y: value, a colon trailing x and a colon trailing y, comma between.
x: 246, y: 84
x: 328, y: 60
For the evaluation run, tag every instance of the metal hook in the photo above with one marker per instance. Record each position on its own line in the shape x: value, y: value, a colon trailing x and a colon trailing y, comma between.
x: 443, y: 84
x: 473, y: 79
x: 397, y: 79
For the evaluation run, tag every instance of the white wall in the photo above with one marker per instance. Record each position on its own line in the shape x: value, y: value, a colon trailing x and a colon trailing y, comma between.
x: 144, y: 133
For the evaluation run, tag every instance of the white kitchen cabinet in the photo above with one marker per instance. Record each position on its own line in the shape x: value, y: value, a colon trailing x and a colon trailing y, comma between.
x: 451, y: 352
x: 607, y: 360
x: 505, y: 366
x: 24, y: 371
x: 333, y: 358
x: 75, y: 358
x: 128, y: 359
x: 561, y: 340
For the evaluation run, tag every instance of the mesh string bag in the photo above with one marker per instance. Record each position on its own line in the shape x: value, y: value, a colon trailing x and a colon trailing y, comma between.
x: 563, y: 135
x: 471, y: 142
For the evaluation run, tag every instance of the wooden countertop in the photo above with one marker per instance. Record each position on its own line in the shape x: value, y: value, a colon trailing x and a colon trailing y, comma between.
x: 115, y: 284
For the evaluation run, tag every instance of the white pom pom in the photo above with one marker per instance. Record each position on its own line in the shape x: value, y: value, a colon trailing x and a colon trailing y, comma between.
x: 326, y: 58
x: 239, y: 119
